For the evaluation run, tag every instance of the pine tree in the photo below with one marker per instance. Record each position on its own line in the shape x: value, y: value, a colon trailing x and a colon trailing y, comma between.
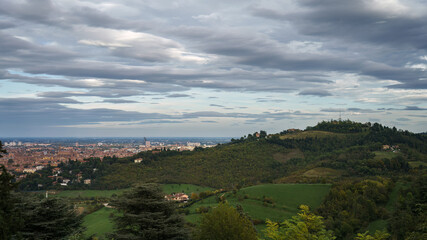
x: 9, y: 216
x: 50, y: 218
x: 146, y: 214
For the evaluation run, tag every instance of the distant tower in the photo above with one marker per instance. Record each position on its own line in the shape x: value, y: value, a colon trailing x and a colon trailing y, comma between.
x: 340, y: 116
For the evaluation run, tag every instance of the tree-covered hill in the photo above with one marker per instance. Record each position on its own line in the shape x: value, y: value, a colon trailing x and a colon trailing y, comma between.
x: 348, y: 148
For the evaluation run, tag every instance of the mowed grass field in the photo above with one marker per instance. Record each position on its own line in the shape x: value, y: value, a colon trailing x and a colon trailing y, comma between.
x: 285, y: 198
x: 385, y: 154
x: 99, y: 223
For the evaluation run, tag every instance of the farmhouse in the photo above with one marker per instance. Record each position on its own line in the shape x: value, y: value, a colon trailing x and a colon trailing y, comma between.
x: 178, y: 197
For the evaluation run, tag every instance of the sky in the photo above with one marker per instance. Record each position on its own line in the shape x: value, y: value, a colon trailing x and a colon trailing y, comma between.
x: 135, y: 68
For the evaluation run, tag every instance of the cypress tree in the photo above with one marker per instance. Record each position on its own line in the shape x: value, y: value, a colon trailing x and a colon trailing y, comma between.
x: 146, y: 214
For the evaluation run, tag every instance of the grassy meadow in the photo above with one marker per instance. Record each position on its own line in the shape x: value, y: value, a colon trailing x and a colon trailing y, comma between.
x: 98, y: 223
x: 273, y: 201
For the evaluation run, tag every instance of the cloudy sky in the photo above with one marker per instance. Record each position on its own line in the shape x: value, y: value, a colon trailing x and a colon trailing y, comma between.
x: 209, y: 68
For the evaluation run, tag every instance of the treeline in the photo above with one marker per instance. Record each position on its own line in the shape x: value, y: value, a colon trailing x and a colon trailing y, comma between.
x: 339, y: 126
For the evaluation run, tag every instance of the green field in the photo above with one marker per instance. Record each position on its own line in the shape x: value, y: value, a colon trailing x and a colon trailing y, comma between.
x: 323, y: 172
x: 98, y: 223
x: 383, y: 154
x: 285, y: 200
x: 186, y: 188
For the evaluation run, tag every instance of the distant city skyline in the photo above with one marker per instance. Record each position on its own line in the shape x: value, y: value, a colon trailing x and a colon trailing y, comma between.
x: 214, y: 68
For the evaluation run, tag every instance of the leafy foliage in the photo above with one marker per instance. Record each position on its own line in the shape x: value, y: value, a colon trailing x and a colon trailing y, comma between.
x: 352, y: 205
x: 226, y: 223
x: 410, y: 218
x: 145, y: 214
x: 304, y: 226
x: 378, y: 235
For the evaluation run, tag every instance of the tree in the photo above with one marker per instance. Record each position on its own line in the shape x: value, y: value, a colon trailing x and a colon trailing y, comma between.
x: 1, y: 149
x: 49, y: 218
x: 226, y: 223
x: 305, y: 226
x: 146, y: 214
x: 9, y: 216
x: 378, y: 235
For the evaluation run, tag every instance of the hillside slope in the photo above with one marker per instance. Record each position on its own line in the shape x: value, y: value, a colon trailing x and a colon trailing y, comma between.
x: 323, y: 153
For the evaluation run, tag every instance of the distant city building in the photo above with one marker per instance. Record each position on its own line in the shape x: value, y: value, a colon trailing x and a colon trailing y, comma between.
x: 138, y: 160
x: 191, y: 144
x: 147, y: 144
x: 87, y: 181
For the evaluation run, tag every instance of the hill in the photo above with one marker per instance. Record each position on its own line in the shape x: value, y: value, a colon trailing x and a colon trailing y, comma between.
x: 325, y: 153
